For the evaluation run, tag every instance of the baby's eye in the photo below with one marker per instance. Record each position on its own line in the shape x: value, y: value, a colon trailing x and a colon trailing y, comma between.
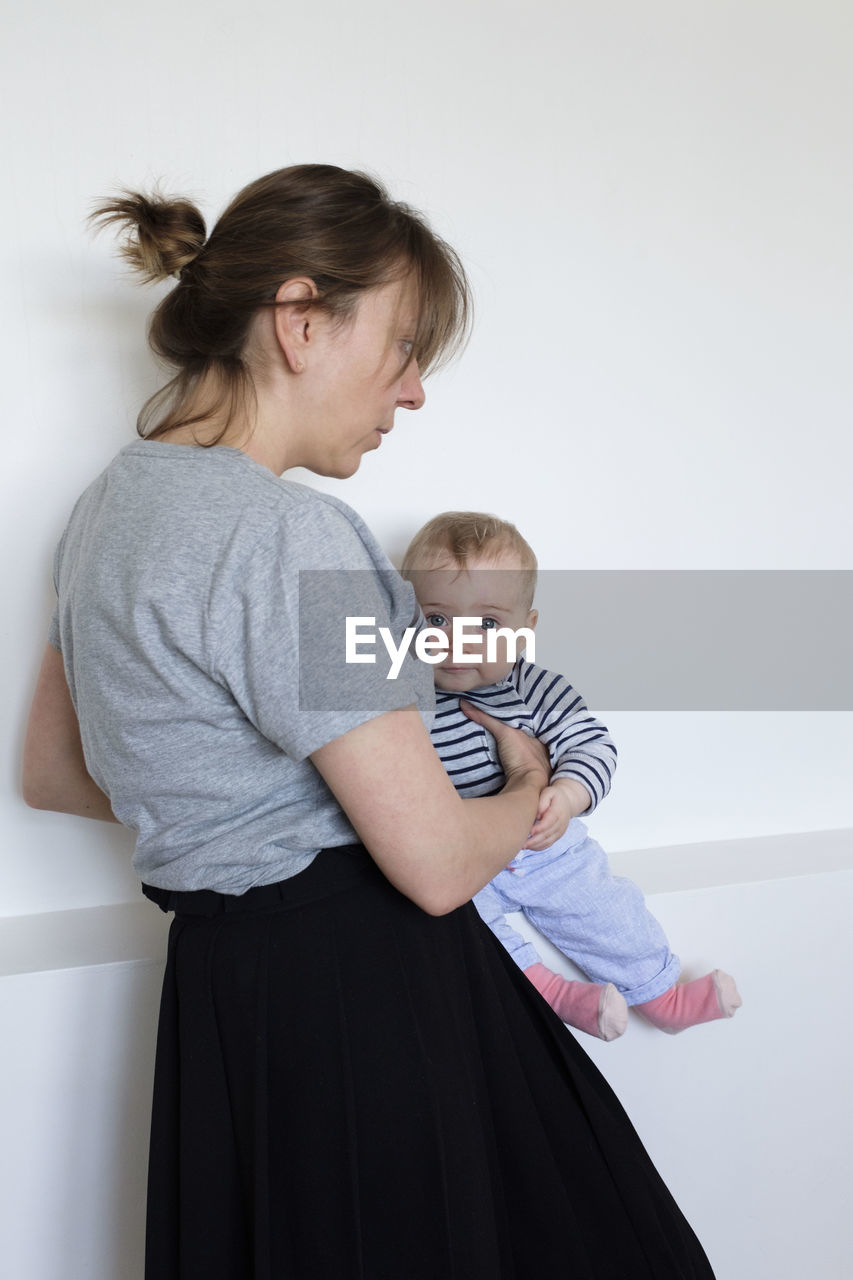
x: 436, y: 620
x: 488, y: 624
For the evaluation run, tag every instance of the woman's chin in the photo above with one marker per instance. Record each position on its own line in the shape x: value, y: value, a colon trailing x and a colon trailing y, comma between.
x: 339, y: 470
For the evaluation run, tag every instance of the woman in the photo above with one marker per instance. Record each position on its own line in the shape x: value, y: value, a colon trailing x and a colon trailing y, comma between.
x: 353, y: 1079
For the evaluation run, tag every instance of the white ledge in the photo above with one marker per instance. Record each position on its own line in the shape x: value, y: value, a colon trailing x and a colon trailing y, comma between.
x: 680, y: 867
x: 135, y: 932
x: 116, y: 934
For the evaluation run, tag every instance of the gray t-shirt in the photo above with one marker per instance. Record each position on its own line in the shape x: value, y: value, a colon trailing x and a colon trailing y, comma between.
x: 203, y: 676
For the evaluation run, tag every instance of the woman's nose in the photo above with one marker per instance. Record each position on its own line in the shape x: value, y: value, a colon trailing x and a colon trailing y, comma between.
x: 412, y: 394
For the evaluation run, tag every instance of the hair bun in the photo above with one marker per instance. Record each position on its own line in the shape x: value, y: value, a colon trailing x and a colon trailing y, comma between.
x: 161, y: 234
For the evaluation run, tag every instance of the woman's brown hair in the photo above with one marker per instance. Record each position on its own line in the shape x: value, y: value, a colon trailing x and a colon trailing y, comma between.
x: 336, y: 226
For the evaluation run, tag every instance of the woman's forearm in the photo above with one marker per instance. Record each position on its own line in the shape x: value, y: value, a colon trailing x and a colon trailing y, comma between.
x: 68, y: 793
x: 436, y: 848
x: 494, y: 828
x: 54, y: 773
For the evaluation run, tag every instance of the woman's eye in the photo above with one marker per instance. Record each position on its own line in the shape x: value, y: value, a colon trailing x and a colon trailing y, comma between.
x: 407, y: 346
x: 436, y: 620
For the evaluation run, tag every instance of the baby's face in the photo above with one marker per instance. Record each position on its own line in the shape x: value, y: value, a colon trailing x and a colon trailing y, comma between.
x: 487, y: 589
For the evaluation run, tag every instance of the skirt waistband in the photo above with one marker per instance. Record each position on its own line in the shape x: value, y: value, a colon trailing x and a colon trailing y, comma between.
x: 331, y: 871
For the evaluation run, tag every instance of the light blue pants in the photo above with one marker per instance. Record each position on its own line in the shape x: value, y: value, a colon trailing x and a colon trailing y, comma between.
x: 600, y: 921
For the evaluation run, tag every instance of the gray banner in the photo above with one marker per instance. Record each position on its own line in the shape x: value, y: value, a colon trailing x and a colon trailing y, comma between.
x: 657, y: 640
x: 701, y: 640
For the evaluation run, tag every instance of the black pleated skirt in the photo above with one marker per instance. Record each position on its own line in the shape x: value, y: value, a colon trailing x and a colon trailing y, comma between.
x: 347, y: 1088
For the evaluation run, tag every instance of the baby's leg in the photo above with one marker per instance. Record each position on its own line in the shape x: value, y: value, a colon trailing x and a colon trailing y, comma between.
x: 588, y: 1006
x: 598, y: 1010
x: 689, y: 1003
x: 493, y: 906
x: 602, y: 923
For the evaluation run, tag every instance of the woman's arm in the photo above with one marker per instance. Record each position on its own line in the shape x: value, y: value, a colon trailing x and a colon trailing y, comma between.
x: 54, y: 771
x: 436, y: 848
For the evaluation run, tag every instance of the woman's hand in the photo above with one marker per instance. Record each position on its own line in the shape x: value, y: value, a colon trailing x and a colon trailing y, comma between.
x: 521, y: 755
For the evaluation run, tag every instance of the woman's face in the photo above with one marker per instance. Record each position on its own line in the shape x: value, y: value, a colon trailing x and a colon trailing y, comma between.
x: 354, y: 379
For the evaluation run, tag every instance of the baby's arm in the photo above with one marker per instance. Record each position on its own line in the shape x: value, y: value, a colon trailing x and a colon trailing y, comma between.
x: 562, y: 800
x: 583, y: 755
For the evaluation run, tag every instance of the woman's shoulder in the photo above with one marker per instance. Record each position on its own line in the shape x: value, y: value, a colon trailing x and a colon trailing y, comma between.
x: 329, y: 531
x: 248, y: 503
x: 323, y: 508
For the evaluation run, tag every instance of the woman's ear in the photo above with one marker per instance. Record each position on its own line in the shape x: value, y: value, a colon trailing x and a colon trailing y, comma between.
x: 295, y: 320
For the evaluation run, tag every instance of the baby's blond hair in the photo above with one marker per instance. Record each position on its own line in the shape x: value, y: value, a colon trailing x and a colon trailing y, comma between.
x: 466, y: 535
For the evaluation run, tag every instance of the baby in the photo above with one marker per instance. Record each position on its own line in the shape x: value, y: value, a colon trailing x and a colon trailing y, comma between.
x: 466, y: 564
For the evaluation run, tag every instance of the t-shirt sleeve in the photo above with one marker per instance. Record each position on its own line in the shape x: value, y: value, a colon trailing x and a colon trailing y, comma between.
x: 53, y: 632
x: 282, y: 637
x: 53, y: 636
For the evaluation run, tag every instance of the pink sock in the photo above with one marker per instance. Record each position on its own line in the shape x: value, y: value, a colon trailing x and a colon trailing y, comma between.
x: 598, y: 1010
x: 714, y: 996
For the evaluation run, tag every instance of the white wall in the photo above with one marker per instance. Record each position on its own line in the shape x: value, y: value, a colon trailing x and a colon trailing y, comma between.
x: 655, y: 207
x: 654, y: 202
x: 76, y: 1097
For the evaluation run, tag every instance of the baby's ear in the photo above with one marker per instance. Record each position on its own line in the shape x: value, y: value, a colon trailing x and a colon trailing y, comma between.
x: 532, y: 619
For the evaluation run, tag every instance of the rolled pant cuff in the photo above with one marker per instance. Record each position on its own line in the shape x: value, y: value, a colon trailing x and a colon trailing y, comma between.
x: 656, y: 986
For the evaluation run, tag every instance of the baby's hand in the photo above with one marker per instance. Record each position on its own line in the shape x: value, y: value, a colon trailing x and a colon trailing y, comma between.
x: 552, y: 817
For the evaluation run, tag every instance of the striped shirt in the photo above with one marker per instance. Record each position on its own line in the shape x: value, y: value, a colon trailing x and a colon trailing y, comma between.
x: 542, y: 703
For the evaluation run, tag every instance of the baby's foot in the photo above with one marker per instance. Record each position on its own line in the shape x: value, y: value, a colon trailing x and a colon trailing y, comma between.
x: 688, y: 1004
x: 598, y: 1010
